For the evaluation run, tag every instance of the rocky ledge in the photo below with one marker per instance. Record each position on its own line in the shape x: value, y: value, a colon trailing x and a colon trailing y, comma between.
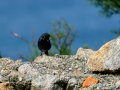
x: 87, y: 70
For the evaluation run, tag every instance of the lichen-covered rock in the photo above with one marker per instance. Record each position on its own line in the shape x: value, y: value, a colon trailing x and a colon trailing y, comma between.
x: 89, y: 81
x: 107, y: 58
x: 71, y: 84
x: 112, y: 62
x: 20, y: 83
x: 59, y: 72
x: 41, y: 83
x: 2, y: 79
x: 80, y: 50
x: 6, y: 61
x: 85, y: 52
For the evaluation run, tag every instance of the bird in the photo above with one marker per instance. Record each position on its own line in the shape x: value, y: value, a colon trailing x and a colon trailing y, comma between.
x: 44, y: 43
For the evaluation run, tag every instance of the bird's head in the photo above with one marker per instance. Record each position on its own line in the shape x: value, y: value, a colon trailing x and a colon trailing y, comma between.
x: 45, y: 36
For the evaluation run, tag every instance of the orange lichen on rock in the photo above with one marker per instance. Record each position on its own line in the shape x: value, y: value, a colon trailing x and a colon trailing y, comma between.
x: 89, y: 81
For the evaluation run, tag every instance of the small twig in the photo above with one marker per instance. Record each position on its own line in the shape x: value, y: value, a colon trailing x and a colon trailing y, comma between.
x: 22, y: 57
x: 57, y: 35
x: 19, y: 37
x: 68, y: 31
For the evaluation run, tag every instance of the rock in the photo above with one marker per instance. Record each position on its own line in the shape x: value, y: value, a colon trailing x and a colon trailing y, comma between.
x: 77, y: 87
x: 3, y: 79
x: 84, y: 89
x: 39, y: 57
x: 18, y: 61
x: 29, y: 70
x: 20, y: 83
x: 23, y: 69
x: 5, y: 73
x: 89, y: 52
x: 5, y: 86
x: 81, y: 49
x: 52, y: 82
x: 118, y: 82
x: 107, y: 58
x: 84, y: 53
x: 71, y: 84
x: 42, y: 83
x: 77, y: 72
x: 58, y: 72
x: 89, y: 81
x: 14, y: 73
x: 6, y: 61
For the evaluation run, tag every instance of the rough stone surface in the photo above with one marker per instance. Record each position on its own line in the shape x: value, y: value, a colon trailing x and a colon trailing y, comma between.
x: 107, y: 58
x: 71, y: 84
x: 5, y: 86
x: 81, y: 50
x: 118, y: 82
x: 85, y: 53
x: 59, y: 72
x: 112, y: 62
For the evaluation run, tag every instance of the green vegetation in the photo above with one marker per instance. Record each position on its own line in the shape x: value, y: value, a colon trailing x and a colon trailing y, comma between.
x: 62, y: 38
x: 63, y: 35
x: 115, y: 32
x: 108, y: 8
x: 34, y: 52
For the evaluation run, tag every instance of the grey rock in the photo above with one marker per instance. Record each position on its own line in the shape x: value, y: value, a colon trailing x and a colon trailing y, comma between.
x: 112, y: 62
x: 107, y: 58
x: 76, y: 87
x: 29, y: 70
x: 20, y: 84
x: 23, y: 69
x: 5, y: 73
x: 18, y: 61
x: 3, y: 79
x: 42, y: 83
x: 59, y: 72
x: 33, y: 73
x: 5, y: 61
x: 71, y: 84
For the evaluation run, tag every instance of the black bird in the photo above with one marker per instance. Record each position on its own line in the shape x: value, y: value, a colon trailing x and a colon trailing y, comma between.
x: 44, y: 43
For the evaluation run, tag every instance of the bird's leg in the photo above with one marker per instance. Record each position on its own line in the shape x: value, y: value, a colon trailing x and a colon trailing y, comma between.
x: 46, y: 53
